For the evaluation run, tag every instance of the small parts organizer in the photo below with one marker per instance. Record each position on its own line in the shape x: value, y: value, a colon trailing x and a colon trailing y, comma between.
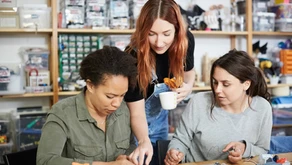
x: 286, y: 58
x: 37, y: 70
x: 38, y: 81
x: 11, y: 79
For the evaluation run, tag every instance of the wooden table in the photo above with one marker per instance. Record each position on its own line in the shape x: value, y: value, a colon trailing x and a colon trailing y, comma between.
x: 243, y: 162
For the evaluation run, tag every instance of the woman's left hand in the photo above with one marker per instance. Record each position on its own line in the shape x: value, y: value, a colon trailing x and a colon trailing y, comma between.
x: 183, y: 91
x: 236, y: 150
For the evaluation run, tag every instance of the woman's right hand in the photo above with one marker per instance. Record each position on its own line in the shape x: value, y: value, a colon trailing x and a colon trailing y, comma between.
x: 173, y: 157
x: 143, y: 149
x: 236, y: 150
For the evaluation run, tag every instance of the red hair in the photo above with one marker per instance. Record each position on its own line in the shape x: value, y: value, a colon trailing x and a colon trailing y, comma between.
x: 166, y: 10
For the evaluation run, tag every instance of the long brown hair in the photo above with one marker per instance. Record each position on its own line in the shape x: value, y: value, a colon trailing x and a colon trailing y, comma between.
x: 240, y: 65
x: 166, y: 10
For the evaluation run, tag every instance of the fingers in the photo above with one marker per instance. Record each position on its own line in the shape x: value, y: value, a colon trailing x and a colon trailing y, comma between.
x: 235, y: 151
x: 134, y: 157
x: 169, y: 160
x: 229, y: 147
x: 235, y: 158
x: 173, y: 157
x: 138, y: 156
x: 181, y: 94
x: 149, y: 157
x: 179, y: 99
x: 181, y: 156
x: 141, y: 158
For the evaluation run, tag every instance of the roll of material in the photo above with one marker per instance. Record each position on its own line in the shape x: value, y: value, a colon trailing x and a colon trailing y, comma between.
x: 281, y: 91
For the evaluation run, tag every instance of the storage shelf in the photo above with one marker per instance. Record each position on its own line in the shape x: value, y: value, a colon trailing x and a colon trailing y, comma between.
x: 69, y: 93
x: 11, y: 30
x: 204, y: 88
x: 130, y: 31
x: 97, y: 31
x: 282, y: 125
x: 207, y: 88
x: 257, y: 33
x: 220, y: 33
x: 45, y: 94
x: 279, y: 85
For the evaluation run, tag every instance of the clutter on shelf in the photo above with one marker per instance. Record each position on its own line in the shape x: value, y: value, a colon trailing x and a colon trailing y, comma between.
x: 11, y: 78
x: 37, y: 75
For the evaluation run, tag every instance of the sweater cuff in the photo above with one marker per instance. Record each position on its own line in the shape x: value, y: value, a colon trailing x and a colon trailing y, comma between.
x: 247, y: 151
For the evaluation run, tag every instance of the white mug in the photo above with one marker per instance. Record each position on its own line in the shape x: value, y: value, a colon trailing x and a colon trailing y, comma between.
x: 168, y: 100
x: 274, y: 80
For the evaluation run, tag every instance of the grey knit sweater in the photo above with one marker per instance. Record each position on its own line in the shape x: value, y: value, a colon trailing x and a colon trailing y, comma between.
x: 202, y: 138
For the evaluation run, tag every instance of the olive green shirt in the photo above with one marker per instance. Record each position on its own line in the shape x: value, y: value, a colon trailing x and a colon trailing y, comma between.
x: 70, y: 134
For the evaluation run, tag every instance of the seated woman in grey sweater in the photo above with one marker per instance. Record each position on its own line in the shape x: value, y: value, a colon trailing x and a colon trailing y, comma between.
x: 231, y: 122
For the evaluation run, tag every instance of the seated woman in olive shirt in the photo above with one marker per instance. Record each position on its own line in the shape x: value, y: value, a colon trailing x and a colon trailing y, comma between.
x: 94, y: 126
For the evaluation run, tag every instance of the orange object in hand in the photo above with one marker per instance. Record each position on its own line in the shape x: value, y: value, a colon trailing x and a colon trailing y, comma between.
x: 75, y: 163
x: 173, y: 82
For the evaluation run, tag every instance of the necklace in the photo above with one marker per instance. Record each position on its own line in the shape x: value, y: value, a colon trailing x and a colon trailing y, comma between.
x: 245, y: 105
x: 102, y: 122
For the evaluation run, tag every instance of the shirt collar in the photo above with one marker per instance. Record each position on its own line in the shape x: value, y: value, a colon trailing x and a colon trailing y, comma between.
x: 83, y: 113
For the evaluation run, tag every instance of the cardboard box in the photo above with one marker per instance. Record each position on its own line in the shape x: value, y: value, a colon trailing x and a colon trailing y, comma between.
x: 8, y: 3
x: 9, y: 19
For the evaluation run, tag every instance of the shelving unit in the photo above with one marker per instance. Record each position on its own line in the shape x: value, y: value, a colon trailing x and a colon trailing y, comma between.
x: 45, y: 94
x: 11, y: 30
x: 207, y: 88
x: 53, y: 46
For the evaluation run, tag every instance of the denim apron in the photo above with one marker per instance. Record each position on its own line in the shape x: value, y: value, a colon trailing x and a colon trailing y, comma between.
x: 157, y: 118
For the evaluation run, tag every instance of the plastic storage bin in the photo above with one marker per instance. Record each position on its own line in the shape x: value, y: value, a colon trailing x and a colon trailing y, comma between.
x: 283, y: 25
x: 4, y: 131
x: 263, y: 21
x: 30, y: 130
x: 281, y: 10
x: 11, y: 79
x: 35, y: 16
x: 9, y: 19
x: 119, y: 14
x: 8, y: 4
x: 36, y: 58
x: 119, y: 41
x: 286, y: 58
x: 5, y: 149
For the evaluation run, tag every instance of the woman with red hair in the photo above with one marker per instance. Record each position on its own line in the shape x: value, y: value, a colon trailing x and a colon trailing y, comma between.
x: 164, y: 48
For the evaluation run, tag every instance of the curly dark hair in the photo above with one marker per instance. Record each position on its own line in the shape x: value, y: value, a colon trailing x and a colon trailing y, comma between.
x: 106, y: 62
